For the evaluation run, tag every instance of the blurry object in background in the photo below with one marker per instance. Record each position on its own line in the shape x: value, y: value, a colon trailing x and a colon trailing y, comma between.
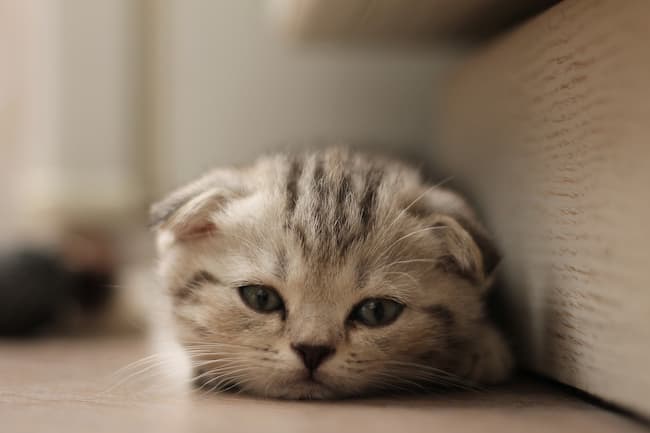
x: 43, y: 289
x: 34, y: 289
x: 428, y: 20
x: 88, y: 257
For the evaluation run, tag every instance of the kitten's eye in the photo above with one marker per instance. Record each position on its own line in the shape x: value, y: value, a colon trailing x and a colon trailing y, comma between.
x: 377, y: 312
x: 261, y: 298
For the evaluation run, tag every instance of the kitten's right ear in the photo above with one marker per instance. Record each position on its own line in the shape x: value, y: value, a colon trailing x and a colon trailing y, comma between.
x: 188, y: 213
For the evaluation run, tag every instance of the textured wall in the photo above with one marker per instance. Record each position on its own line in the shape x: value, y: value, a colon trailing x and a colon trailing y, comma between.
x: 549, y: 127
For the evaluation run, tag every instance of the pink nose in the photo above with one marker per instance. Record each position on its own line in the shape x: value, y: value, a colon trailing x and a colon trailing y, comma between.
x: 312, y: 356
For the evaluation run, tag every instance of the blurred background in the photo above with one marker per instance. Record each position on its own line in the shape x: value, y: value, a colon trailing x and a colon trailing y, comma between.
x: 107, y: 105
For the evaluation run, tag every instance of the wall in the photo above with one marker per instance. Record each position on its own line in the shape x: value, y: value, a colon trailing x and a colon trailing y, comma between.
x: 67, y: 114
x: 107, y: 105
x: 555, y: 149
x: 228, y: 86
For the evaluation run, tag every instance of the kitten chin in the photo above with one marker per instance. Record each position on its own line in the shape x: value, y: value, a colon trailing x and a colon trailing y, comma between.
x: 324, y: 275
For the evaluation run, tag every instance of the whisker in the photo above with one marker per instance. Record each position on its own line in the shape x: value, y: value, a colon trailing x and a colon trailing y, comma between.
x: 396, y: 380
x: 418, y: 375
x: 410, y: 234
x: 207, y: 344
x: 136, y: 363
x: 139, y: 373
x: 405, y: 274
x: 229, y: 374
x: 417, y: 199
x: 403, y: 262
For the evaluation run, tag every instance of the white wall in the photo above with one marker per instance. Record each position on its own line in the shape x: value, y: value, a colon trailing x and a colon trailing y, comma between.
x: 28, y: 124
x: 67, y: 111
x: 98, y: 103
x: 104, y: 104
x: 228, y: 86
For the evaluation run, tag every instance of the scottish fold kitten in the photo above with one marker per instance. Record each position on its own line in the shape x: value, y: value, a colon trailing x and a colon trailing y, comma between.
x: 324, y: 275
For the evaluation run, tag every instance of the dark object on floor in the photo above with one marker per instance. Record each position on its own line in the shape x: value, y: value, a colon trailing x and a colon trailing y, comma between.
x: 37, y: 290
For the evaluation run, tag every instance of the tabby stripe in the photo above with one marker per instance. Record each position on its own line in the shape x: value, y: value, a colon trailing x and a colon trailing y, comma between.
x: 188, y: 290
x: 442, y: 314
x: 295, y: 171
x: 319, y: 173
x: 368, y: 200
x: 321, y: 192
x: 302, y: 238
x: 344, y: 190
x: 281, y: 264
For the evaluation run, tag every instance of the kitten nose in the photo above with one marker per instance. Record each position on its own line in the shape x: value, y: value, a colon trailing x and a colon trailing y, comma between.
x: 312, y: 356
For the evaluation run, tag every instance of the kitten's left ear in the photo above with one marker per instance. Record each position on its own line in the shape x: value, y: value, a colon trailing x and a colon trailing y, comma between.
x: 188, y: 213
x: 471, y: 248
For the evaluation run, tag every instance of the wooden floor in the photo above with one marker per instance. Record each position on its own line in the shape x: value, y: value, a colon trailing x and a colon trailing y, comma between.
x: 73, y: 385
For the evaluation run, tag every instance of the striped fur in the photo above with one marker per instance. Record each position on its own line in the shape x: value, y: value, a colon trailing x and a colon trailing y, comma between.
x: 326, y: 230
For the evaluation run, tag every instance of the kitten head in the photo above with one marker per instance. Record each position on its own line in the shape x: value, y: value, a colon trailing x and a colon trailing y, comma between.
x: 322, y: 275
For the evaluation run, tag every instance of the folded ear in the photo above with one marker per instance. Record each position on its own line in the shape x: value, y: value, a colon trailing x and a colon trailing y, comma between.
x: 472, y: 252
x: 188, y: 213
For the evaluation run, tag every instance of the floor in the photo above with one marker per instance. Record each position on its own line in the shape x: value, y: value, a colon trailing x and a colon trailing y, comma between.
x: 77, y: 385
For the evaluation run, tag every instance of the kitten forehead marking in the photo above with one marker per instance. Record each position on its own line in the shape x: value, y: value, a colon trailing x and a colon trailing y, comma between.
x: 336, y: 213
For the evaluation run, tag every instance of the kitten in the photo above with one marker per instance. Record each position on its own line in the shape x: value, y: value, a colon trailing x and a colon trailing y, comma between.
x: 327, y: 274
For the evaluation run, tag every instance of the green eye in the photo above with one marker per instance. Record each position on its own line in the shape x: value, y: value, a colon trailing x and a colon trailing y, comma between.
x: 377, y: 312
x: 261, y: 298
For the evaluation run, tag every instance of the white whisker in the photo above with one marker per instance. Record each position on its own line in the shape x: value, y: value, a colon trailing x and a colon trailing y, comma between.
x: 417, y: 199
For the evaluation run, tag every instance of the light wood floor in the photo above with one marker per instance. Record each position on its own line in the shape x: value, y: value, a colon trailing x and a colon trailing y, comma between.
x: 68, y: 385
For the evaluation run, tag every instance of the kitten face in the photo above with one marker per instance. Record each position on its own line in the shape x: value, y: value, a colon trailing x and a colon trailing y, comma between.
x: 323, y: 275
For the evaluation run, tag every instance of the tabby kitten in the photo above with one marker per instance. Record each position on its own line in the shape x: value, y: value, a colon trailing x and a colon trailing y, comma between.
x: 327, y: 274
